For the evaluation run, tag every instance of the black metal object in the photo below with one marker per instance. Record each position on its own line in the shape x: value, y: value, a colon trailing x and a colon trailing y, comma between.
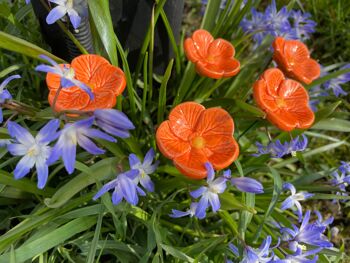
x: 131, y: 19
x: 61, y: 45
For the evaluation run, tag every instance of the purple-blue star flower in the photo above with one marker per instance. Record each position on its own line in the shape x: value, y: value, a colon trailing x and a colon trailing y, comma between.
x: 124, y: 188
x: 4, y: 93
x: 35, y: 151
x: 321, y: 222
x: 66, y: 74
x: 277, y: 150
x: 307, y: 233
x: 5, y: 142
x: 277, y: 22
x: 255, y: 255
x: 335, y: 83
x: 302, y: 24
x: 256, y: 26
x: 144, y: 169
x: 27, y: 2
x: 72, y: 134
x: 294, y: 198
x: 113, y: 122
x: 209, y: 194
x: 190, y: 212
x: 341, y: 178
x: 63, y: 7
x: 248, y: 185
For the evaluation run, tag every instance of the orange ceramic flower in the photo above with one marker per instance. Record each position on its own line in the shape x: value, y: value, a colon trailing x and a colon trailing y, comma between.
x: 194, y: 135
x: 285, y: 101
x: 293, y: 58
x: 213, y: 58
x: 106, y: 82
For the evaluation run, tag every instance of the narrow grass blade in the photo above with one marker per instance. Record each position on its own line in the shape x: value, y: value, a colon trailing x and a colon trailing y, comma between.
x: 162, y: 92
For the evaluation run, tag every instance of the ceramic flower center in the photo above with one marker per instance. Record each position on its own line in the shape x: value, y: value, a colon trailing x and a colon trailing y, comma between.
x: 34, y: 150
x: 92, y: 86
x: 198, y: 142
x: 280, y: 103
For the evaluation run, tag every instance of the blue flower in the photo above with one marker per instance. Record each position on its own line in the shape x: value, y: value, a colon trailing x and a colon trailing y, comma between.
x: 321, y: 222
x: 249, y: 185
x: 35, y: 151
x: 190, y: 212
x: 124, y: 188
x: 144, y: 169
x: 254, y: 255
x: 209, y: 194
x: 63, y: 7
x: 113, y: 122
x: 5, y: 94
x: 73, y: 134
x: 66, y: 74
x: 307, y: 233
x: 5, y: 142
x: 303, y: 25
x: 335, y: 83
x: 300, y: 257
x: 256, y: 26
x: 27, y: 2
x: 278, y: 150
x: 294, y: 198
x: 341, y: 178
x: 278, y: 23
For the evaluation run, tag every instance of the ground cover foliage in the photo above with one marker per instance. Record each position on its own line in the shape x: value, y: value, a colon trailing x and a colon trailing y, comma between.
x: 61, y: 221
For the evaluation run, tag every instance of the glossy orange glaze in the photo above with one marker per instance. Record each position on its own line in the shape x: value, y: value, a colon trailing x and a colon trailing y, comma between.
x: 106, y: 82
x: 194, y: 135
x: 293, y: 58
x: 285, y: 101
x: 213, y: 57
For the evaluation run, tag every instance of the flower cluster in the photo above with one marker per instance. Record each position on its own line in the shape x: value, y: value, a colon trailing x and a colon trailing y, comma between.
x: 296, y: 239
x: 126, y: 185
x: 37, y: 152
x: 277, y: 149
x: 290, y: 24
x: 209, y: 195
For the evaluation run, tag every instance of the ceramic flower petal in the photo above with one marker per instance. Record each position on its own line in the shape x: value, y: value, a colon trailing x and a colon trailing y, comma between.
x: 215, y: 121
x: 212, y: 58
x: 169, y: 144
x: 192, y: 164
x: 183, y: 118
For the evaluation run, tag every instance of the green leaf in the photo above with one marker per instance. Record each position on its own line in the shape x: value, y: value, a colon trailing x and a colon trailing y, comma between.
x: 162, y: 92
x: 50, y: 240
x: 326, y: 112
x: 21, y: 46
x: 277, y: 188
x: 101, y: 16
x: 9, y: 70
x: 333, y: 125
x: 176, y: 253
x: 93, y: 247
x: 24, y: 184
x: 99, y: 171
